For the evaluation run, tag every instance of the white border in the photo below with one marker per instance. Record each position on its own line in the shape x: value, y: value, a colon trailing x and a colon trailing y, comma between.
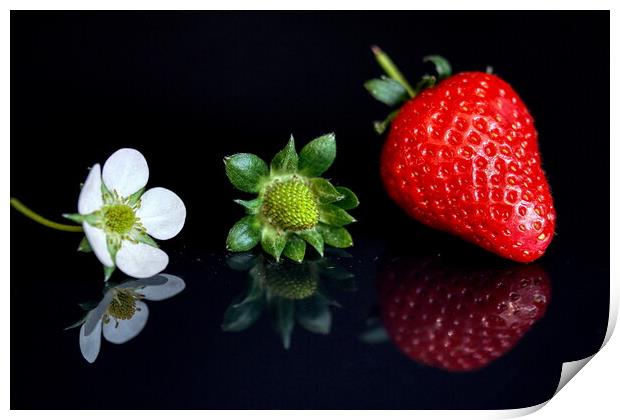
x: 595, y: 393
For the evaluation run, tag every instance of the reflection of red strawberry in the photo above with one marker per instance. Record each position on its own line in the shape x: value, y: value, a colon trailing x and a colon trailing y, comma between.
x: 460, y: 320
x: 462, y: 156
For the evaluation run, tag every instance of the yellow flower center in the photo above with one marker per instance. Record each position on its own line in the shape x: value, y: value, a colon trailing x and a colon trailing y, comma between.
x: 123, y: 305
x: 118, y: 218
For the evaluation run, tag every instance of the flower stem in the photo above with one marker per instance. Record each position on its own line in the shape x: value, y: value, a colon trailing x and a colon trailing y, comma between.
x: 17, y: 205
x: 391, y: 70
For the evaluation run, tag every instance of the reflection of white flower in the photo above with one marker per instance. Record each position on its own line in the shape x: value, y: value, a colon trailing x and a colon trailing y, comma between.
x: 119, y: 218
x: 122, y: 314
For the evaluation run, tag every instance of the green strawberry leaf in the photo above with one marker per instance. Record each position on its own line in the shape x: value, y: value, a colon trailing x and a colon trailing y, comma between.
x: 244, y: 235
x: 251, y: 206
x: 84, y: 245
x: 246, y: 171
x: 314, y: 238
x: 387, y: 90
x: 285, y: 161
x: 318, y: 155
x: 349, y: 200
x: 314, y: 315
x: 333, y: 215
x: 273, y: 242
x: 325, y: 191
x: 295, y: 249
x: 337, y: 237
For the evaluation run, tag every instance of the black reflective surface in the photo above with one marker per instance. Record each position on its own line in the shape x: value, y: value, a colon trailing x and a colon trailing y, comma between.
x: 186, y: 89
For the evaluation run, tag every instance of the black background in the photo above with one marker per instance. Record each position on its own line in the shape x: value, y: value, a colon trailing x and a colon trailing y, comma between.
x: 187, y: 89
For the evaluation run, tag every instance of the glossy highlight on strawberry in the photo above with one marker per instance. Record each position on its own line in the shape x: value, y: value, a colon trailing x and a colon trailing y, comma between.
x: 459, y: 318
x: 462, y: 156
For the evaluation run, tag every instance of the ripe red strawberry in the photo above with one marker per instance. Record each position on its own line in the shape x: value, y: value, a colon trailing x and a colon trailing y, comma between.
x: 459, y: 319
x: 462, y: 156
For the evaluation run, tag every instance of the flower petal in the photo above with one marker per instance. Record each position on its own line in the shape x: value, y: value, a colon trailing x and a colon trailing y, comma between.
x: 126, y: 171
x: 140, y: 260
x: 90, y: 344
x: 97, y: 240
x: 156, y: 280
x: 90, y: 198
x: 95, y: 315
x: 122, y: 330
x: 171, y: 287
x: 162, y: 213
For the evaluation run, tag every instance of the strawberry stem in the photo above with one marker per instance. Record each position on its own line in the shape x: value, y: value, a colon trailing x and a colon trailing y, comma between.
x: 17, y: 205
x: 391, y: 70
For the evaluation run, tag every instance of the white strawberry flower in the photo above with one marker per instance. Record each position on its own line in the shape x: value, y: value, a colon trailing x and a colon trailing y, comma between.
x: 120, y: 219
x: 121, y: 315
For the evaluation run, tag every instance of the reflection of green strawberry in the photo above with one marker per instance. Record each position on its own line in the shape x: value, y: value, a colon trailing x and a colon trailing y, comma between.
x: 289, y: 291
x: 462, y: 156
x: 456, y: 318
x: 294, y: 206
x: 293, y: 282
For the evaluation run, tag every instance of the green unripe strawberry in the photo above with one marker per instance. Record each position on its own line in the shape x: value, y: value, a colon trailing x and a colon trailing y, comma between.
x: 294, y: 205
x: 290, y: 205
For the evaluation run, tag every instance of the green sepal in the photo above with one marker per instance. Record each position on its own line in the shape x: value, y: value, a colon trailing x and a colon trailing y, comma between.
x: 251, y: 206
x: 381, y: 126
x: 106, y: 194
x: 325, y: 191
x: 426, y: 82
x: 314, y: 238
x: 318, y: 155
x: 107, y: 272
x: 273, y: 242
x: 74, y: 217
x: 76, y: 324
x: 295, y: 249
x: 442, y: 66
x: 349, y: 200
x: 89, y: 306
x: 241, y: 262
x: 284, y: 319
x: 114, y: 244
x: 314, y: 314
x: 135, y: 197
x: 84, y: 245
x: 246, y: 171
x: 387, y: 90
x: 376, y: 334
x: 337, y: 237
x: 334, y: 215
x: 242, y: 313
x: 244, y: 235
x: 144, y: 238
x: 285, y: 161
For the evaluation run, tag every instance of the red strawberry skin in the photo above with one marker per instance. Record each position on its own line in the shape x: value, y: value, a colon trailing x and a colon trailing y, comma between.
x: 460, y: 320
x: 463, y: 157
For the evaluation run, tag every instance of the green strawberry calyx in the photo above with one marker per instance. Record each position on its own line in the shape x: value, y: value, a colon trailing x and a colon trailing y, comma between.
x: 394, y: 90
x: 294, y: 205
